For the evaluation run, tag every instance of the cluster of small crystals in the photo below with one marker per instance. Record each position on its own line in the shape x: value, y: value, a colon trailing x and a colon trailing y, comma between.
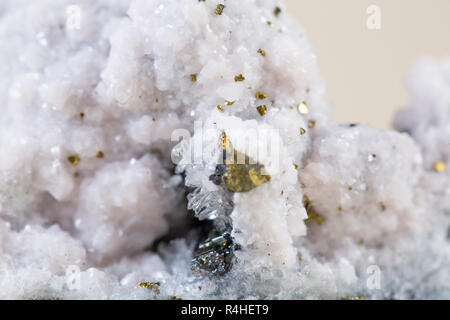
x: 214, y: 257
x: 199, y: 202
x: 86, y: 183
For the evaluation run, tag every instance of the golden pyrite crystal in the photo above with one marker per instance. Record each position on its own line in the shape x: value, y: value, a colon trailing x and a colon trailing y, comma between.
x: 242, y: 172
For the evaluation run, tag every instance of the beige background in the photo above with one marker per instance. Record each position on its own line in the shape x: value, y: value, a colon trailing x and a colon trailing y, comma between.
x: 365, y: 70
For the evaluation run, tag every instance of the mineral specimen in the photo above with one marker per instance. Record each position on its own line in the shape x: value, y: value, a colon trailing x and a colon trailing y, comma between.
x: 215, y: 256
x: 131, y: 78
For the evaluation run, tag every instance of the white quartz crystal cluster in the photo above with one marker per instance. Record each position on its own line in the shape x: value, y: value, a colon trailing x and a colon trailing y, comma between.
x: 93, y: 95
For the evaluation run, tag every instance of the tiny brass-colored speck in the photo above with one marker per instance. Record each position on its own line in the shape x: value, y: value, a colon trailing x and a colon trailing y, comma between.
x: 303, y: 186
x: 193, y: 77
x: 295, y: 166
x: 340, y: 209
x: 262, y: 110
x: 353, y: 298
x: 74, y: 159
x: 100, y: 154
x: 201, y: 0
x: 144, y: 284
x: 277, y: 11
x: 270, y: 24
x: 219, y: 9
x: 229, y: 103
x: 311, y: 124
x: 303, y: 108
x: 350, y: 188
x: 383, y: 206
x: 239, y: 78
x: 175, y: 298
x: 262, y: 52
x: 82, y: 115
x: 219, y: 107
x: 153, y: 119
x: 313, y: 216
x: 291, y: 107
x: 260, y: 95
x: 439, y: 166
x: 150, y: 285
x: 302, y: 131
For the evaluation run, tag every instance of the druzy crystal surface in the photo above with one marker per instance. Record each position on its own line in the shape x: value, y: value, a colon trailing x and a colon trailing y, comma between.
x: 93, y: 204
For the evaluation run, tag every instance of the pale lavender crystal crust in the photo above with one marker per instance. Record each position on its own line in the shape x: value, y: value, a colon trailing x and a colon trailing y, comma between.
x: 87, y: 183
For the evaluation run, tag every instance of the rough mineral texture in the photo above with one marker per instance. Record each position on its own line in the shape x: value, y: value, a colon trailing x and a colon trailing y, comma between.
x: 99, y: 199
